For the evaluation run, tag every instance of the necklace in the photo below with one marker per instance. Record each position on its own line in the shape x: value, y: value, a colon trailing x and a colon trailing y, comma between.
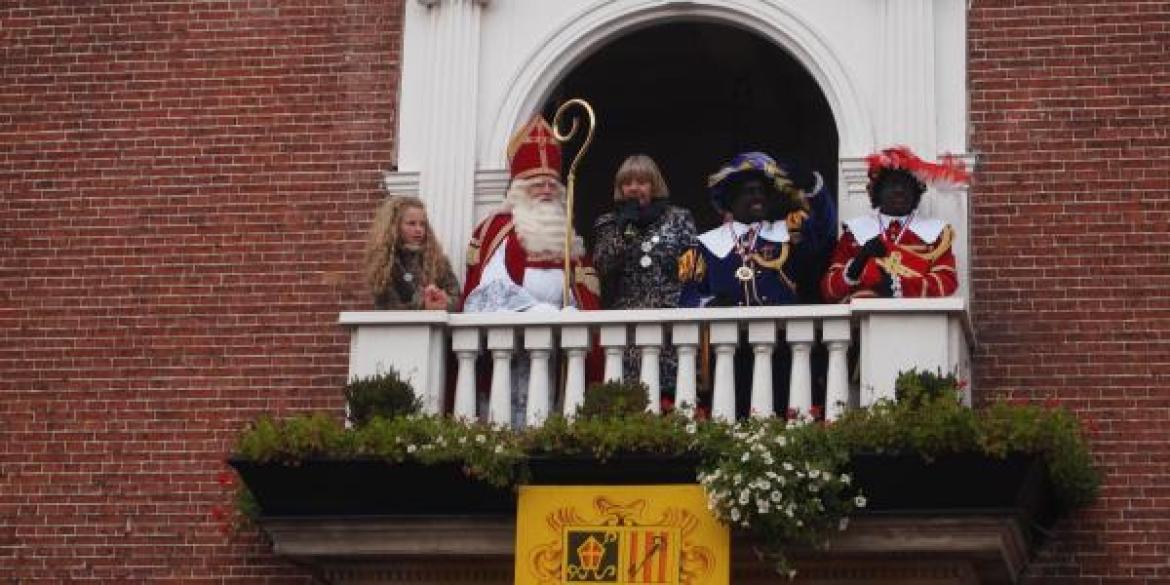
x: 901, y: 230
x: 744, y: 273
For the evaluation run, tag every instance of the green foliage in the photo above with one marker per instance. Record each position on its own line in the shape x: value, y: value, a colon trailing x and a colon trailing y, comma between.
x: 384, y: 395
x: 784, y: 481
x: 929, y: 419
x: 602, y: 437
x: 614, y: 399
x: 1053, y: 433
x: 488, y: 453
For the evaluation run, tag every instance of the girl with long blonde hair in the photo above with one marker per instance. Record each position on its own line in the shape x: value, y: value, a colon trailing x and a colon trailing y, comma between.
x: 405, y: 265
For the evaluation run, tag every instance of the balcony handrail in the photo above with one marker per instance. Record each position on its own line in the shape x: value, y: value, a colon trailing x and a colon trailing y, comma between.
x: 901, y: 334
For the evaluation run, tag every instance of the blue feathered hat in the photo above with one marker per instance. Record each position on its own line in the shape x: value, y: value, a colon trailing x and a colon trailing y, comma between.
x: 762, y: 166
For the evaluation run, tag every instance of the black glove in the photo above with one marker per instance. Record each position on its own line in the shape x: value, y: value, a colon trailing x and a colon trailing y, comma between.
x: 874, y: 248
x: 886, y: 287
x: 722, y: 301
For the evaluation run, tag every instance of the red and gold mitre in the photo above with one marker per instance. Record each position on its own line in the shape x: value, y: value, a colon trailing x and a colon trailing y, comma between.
x: 533, y: 150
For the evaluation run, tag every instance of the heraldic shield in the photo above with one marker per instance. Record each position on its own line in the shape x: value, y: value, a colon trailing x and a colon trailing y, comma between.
x: 660, y: 535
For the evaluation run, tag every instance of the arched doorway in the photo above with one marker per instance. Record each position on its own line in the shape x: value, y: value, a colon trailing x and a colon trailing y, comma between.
x: 691, y: 95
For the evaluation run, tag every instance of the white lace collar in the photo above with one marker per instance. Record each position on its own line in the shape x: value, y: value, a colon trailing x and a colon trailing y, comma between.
x: 865, y: 227
x: 720, y: 241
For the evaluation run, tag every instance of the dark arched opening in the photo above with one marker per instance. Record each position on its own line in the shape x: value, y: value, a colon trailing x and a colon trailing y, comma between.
x: 691, y: 95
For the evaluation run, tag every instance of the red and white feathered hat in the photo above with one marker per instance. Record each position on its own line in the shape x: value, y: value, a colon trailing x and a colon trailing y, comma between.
x: 533, y: 150
x: 949, y: 171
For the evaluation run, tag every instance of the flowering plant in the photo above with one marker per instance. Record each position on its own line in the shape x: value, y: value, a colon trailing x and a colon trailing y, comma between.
x: 487, y: 452
x: 781, y: 481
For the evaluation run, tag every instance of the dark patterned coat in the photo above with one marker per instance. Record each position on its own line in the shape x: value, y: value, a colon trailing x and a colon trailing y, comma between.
x: 639, y: 270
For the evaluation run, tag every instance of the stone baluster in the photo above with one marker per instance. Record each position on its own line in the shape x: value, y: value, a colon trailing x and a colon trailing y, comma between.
x: 685, y: 337
x: 465, y: 343
x: 648, y: 337
x: 800, y: 334
x: 724, y: 337
x: 835, y: 333
x: 575, y: 343
x: 538, y: 342
x: 501, y: 341
x: 613, y: 340
x: 762, y: 337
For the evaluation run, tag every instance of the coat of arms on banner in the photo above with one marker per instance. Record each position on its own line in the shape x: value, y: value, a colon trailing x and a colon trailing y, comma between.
x: 661, y: 535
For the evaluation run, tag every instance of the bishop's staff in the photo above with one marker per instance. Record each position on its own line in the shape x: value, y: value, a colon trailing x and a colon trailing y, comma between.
x: 572, y: 179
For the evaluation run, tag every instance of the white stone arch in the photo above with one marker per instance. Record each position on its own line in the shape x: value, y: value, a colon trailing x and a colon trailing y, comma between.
x: 591, y: 29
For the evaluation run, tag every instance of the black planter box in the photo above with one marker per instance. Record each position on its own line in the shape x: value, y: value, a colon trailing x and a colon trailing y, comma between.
x: 956, y: 484
x: 620, y: 469
x: 326, y: 487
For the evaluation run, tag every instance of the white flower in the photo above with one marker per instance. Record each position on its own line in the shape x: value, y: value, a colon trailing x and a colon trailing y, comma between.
x: 738, y: 479
x: 763, y: 506
x: 744, y: 496
x: 777, y: 496
x: 411, y: 448
x: 787, y: 466
x: 692, y: 428
x: 735, y: 514
x: 746, y: 455
x: 814, y: 473
x: 781, y: 440
x: 499, y: 448
x: 480, y: 439
x: 845, y: 479
x: 462, y: 440
x: 765, y: 484
x: 859, y: 501
x: 791, y: 574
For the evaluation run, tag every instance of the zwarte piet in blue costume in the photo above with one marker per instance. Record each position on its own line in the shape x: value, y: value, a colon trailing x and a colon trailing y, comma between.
x: 750, y: 260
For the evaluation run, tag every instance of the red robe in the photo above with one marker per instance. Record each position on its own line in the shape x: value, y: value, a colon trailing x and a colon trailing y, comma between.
x: 920, y: 264
x: 497, y: 230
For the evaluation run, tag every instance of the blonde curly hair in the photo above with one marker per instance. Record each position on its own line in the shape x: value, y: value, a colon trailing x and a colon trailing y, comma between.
x: 382, y: 246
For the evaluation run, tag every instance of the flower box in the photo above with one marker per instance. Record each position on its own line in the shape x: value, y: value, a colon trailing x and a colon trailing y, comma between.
x: 955, y: 484
x: 331, y: 487
x: 618, y: 469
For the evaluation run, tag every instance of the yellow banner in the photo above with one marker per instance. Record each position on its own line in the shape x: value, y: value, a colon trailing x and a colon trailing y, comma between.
x: 621, y: 535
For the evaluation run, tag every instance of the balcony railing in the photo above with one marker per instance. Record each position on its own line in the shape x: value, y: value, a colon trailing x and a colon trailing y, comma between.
x: 891, y: 335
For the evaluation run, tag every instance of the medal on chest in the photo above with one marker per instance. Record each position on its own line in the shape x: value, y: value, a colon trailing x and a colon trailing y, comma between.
x: 646, y: 261
x: 743, y: 248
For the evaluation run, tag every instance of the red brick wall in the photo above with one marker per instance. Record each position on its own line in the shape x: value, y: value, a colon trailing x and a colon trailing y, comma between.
x: 185, y: 187
x: 1070, y: 113
x: 184, y: 190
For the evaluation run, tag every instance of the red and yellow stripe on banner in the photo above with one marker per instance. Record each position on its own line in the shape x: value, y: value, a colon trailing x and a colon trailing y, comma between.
x: 652, y: 556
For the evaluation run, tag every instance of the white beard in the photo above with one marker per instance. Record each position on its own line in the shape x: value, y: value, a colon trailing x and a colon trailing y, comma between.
x: 540, y: 225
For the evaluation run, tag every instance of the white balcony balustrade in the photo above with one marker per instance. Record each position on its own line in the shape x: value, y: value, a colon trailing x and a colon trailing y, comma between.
x: 891, y: 335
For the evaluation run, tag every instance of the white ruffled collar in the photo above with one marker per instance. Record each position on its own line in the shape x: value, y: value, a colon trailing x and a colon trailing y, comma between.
x: 720, y: 241
x: 867, y: 226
